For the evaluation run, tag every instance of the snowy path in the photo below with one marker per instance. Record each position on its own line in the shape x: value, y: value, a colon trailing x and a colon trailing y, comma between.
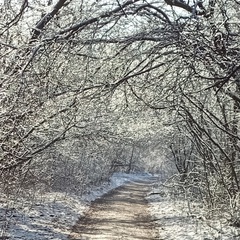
x: 120, y: 214
x: 45, y: 216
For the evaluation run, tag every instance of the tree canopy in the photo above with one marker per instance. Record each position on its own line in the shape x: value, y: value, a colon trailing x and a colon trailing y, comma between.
x: 103, y: 85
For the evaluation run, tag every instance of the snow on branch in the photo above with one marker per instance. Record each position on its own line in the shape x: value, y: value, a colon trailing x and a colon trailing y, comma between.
x: 187, y: 7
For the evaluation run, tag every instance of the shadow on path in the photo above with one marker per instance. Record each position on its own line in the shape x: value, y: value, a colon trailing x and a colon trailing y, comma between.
x: 120, y: 214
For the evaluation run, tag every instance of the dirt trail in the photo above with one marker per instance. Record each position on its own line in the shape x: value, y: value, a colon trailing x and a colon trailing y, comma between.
x: 121, y: 214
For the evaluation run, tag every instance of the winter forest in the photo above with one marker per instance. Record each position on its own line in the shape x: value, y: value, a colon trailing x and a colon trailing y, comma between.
x: 91, y: 88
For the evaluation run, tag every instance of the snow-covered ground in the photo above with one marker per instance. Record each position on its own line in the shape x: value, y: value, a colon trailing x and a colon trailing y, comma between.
x: 52, y: 215
x: 182, y: 220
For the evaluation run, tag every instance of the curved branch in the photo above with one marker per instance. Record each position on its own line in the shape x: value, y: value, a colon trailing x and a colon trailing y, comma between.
x: 83, y: 24
x: 180, y: 4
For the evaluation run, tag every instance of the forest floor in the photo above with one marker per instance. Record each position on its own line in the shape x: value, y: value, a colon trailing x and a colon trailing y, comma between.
x: 178, y: 217
x: 43, y: 216
x: 122, y: 213
x: 129, y: 206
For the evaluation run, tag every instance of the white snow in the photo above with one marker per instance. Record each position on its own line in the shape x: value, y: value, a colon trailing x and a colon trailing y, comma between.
x: 179, y: 219
x: 52, y: 215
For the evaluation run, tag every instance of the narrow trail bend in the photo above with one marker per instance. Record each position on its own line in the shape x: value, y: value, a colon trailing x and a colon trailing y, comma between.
x: 120, y: 214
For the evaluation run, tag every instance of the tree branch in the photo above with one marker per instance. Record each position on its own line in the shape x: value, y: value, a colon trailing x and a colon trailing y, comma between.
x: 43, y: 22
x: 179, y: 4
